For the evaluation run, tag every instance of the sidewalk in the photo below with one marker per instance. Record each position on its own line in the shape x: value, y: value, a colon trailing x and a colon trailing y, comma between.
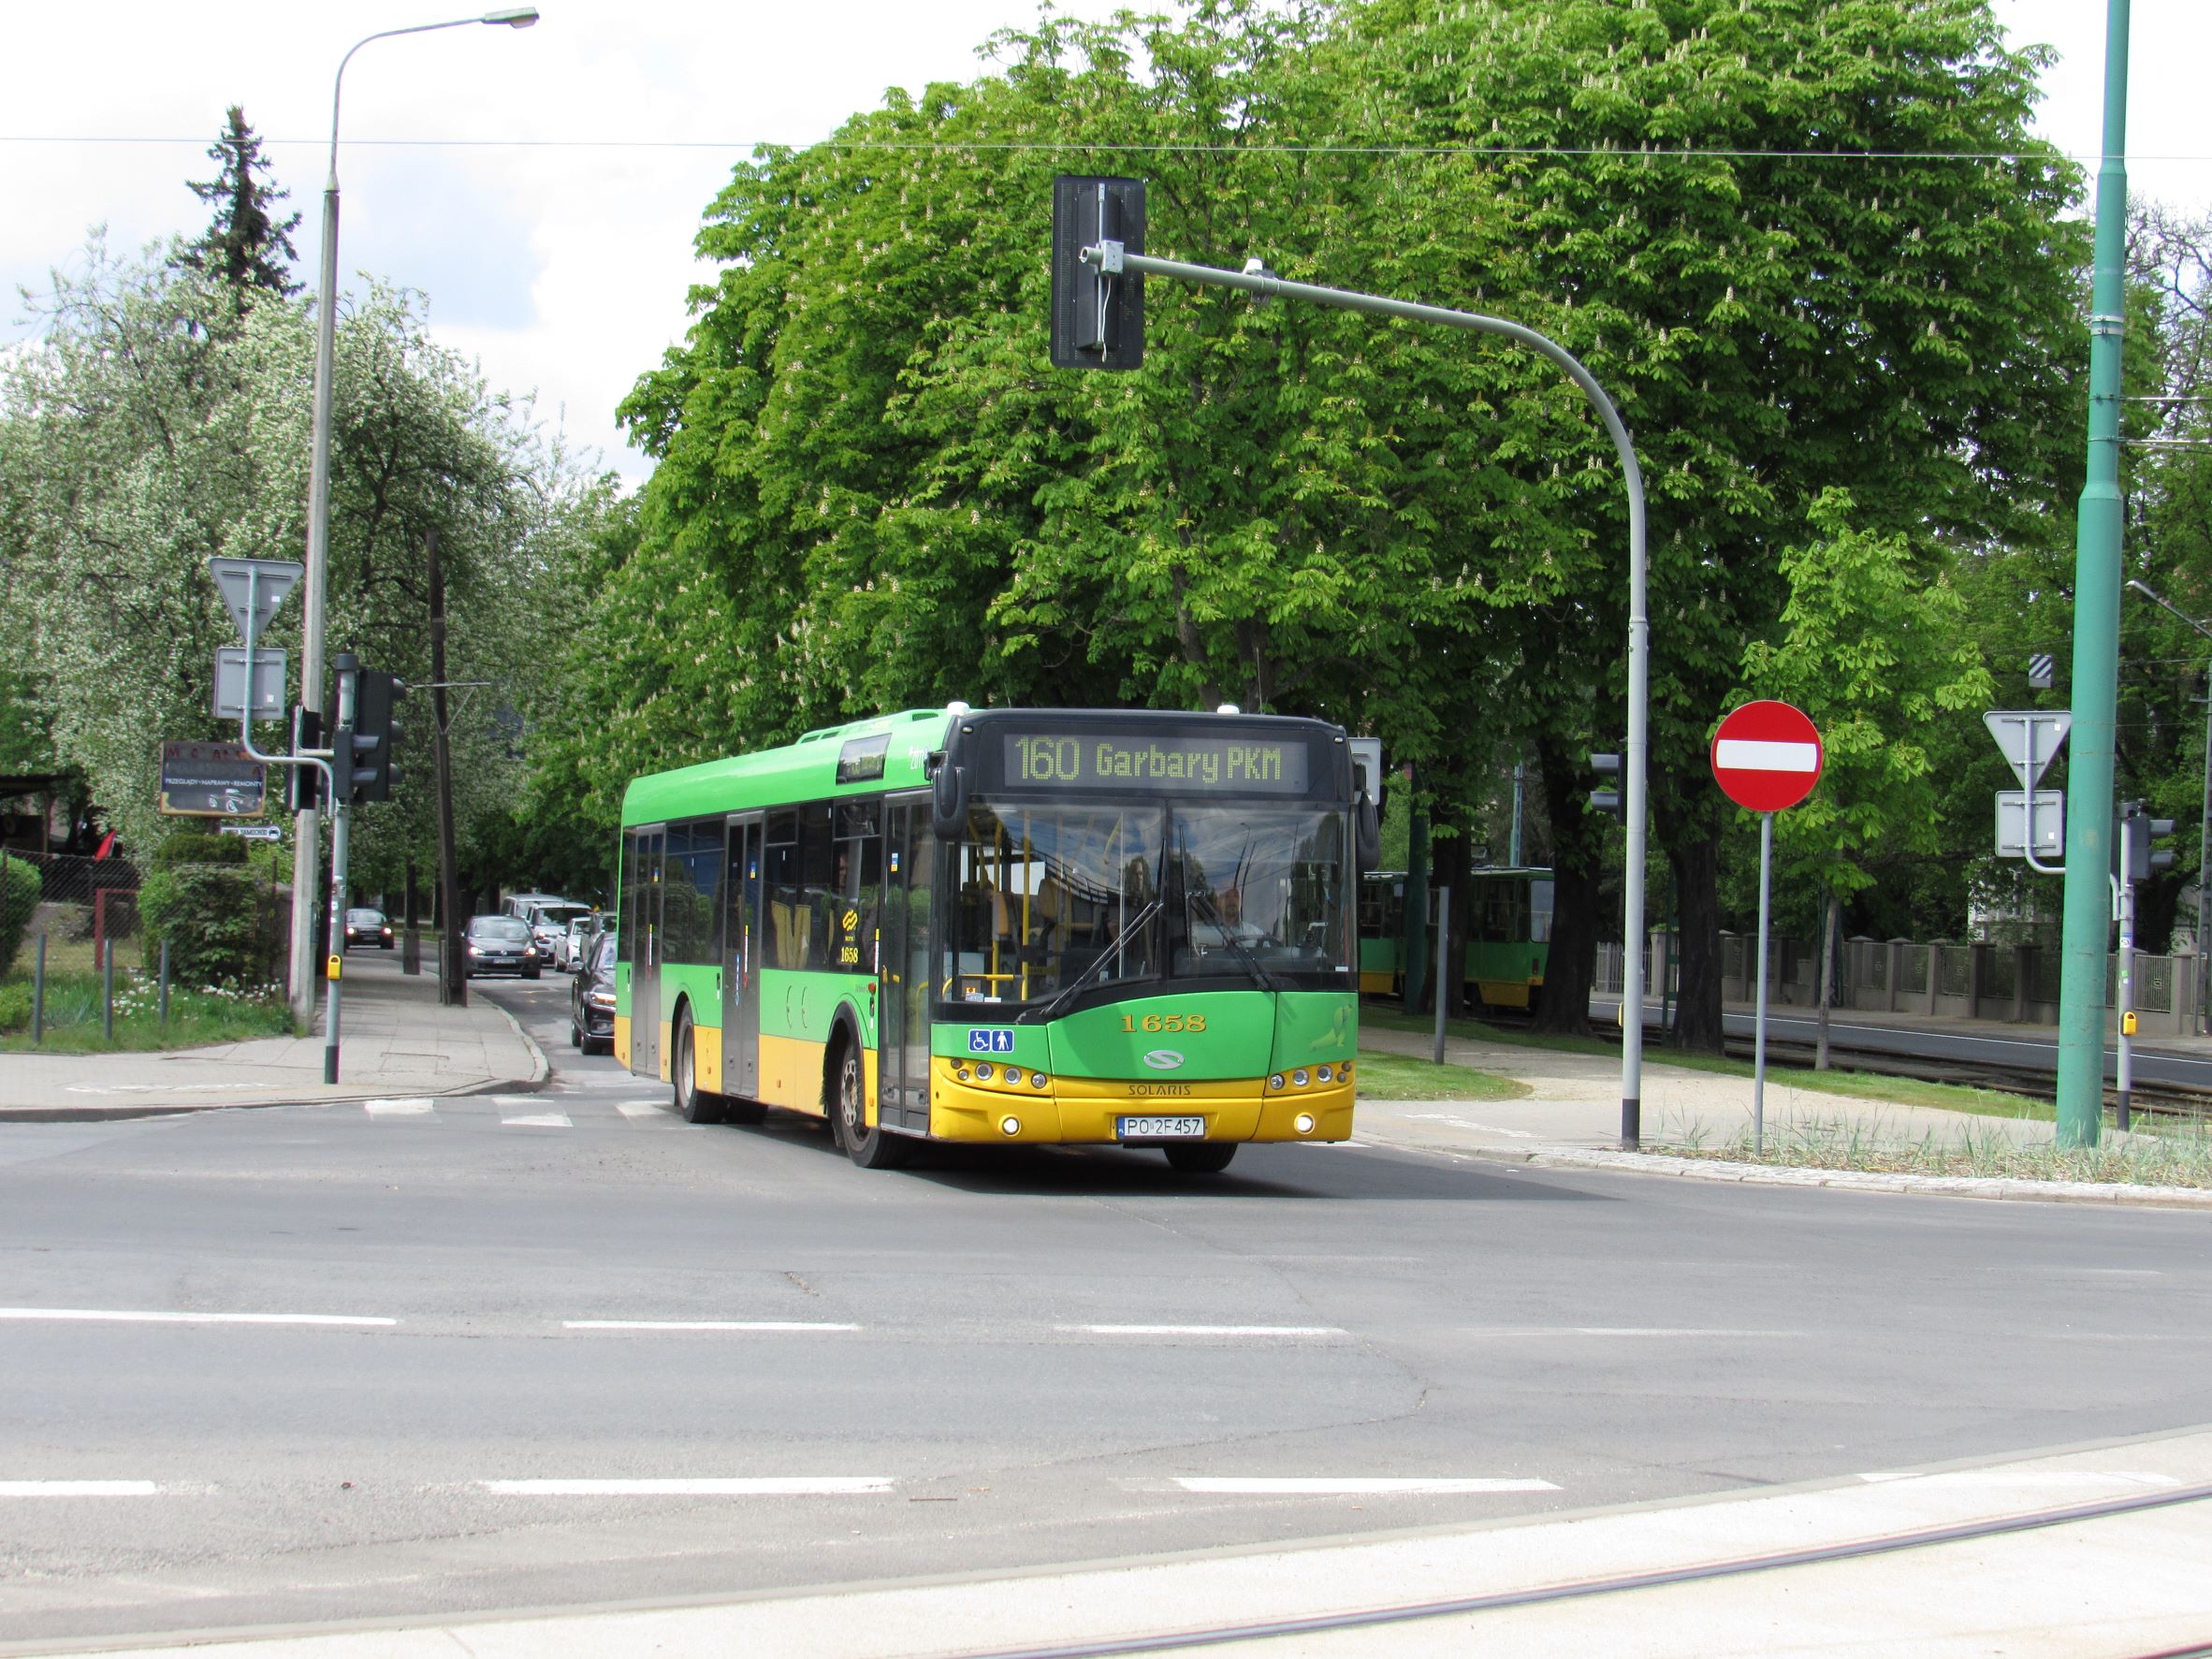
x: 2120, y: 1584
x: 394, y: 1040
x: 1575, y: 1101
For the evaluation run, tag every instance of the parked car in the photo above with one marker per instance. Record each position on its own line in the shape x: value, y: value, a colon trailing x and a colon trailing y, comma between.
x: 368, y: 927
x: 571, y: 948
x: 591, y: 1001
x: 500, y: 944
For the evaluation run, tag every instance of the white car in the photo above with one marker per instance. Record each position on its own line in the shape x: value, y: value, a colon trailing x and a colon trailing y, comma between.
x: 568, y: 950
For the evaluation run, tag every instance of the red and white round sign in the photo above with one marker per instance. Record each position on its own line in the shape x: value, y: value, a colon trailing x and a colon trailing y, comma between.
x: 1767, y: 756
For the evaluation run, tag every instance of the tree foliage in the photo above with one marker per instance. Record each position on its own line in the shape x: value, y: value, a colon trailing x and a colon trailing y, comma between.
x: 246, y: 245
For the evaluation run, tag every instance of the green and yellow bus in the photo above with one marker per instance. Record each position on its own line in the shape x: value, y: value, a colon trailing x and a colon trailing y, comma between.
x: 1074, y: 926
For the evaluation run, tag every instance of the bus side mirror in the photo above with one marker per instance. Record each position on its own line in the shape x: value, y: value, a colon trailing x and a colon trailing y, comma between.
x: 948, y: 803
x: 1366, y: 832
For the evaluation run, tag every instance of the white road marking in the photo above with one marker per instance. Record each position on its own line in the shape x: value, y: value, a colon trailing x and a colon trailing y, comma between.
x: 753, y: 1486
x: 1205, y: 1330
x: 801, y: 1326
x: 410, y: 1108
x: 535, y: 1120
x: 1754, y: 754
x: 1468, y: 1124
x: 1620, y: 1331
x: 1353, y: 1485
x: 130, y: 1317
x: 640, y: 1108
x: 78, y: 1489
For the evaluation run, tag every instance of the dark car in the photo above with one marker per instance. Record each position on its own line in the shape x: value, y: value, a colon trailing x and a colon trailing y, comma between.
x: 591, y: 1001
x: 367, y: 927
x: 500, y: 944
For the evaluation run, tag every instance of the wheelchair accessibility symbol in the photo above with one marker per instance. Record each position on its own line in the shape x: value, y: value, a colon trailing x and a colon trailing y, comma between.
x: 990, y: 1039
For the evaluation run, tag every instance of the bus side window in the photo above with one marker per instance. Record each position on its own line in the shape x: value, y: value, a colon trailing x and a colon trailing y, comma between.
x: 818, y: 879
x: 787, y: 913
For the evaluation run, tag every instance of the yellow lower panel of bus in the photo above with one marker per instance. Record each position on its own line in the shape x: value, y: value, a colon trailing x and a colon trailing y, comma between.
x: 622, y: 1039
x: 1085, y: 1110
x: 706, y: 1050
x: 1378, y: 985
x: 790, y: 1072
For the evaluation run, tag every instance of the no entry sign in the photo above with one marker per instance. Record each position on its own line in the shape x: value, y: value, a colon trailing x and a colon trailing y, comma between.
x: 1767, y: 756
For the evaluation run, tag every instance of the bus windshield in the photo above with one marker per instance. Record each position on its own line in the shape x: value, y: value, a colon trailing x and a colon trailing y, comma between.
x: 1042, y: 894
x: 1262, y: 895
x: 1045, y: 897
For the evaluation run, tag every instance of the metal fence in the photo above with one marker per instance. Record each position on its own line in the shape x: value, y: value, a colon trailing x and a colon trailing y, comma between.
x: 87, y: 908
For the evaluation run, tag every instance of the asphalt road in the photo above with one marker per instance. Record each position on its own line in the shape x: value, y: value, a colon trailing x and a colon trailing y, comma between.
x: 2153, y: 1064
x: 993, y: 1360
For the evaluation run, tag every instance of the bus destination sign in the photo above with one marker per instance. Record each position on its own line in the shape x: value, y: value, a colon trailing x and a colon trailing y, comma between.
x: 1176, y: 765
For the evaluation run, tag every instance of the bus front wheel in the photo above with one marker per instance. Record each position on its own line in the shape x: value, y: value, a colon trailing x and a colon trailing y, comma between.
x: 867, y: 1145
x: 1201, y: 1157
x: 696, y: 1105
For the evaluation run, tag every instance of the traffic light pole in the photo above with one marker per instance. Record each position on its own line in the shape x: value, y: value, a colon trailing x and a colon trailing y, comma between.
x: 2096, y: 637
x: 1108, y: 257
x: 341, y: 744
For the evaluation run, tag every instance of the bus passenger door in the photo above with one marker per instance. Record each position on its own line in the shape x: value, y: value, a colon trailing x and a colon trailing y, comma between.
x: 644, y: 946
x: 741, y: 967
x: 903, y: 1019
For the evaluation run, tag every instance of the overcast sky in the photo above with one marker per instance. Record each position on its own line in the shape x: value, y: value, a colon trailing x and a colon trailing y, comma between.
x: 563, y: 264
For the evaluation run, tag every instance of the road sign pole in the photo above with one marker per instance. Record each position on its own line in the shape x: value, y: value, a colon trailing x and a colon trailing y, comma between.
x: 1445, y: 977
x: 1759, y: 1023
x: 2096, y: 636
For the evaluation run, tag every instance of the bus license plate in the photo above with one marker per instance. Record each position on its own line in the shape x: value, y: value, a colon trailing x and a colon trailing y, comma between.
x: 1161, y: 1129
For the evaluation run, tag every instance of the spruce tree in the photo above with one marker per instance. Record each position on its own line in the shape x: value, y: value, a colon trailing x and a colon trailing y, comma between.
x: 246, y: 245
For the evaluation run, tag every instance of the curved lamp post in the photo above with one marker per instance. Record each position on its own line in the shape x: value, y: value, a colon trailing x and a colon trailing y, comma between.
x: 306, y: 852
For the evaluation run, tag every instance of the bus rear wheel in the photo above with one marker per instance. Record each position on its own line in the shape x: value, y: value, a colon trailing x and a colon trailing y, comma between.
x: 1201, y: 1157
x: 696, y: 1105
x: 868, y: 1145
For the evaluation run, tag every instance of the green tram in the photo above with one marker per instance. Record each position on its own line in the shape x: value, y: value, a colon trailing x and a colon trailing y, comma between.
x: 1510, y: 942
x: 1004, y: 925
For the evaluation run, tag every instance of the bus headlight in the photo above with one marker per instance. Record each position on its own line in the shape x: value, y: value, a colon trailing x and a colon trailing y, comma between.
x: 984, y: 1070
x: 1276, y: 1082
x: 1298, y: 1078
x: 1304, y: 1122
x: 1010, y: 1126
x: 1324, y: 1074
x: 1038, y: 1079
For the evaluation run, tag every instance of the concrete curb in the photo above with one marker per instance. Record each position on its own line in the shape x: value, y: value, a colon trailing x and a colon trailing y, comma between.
x: 1973, y: 1186
x: 541, y: 1069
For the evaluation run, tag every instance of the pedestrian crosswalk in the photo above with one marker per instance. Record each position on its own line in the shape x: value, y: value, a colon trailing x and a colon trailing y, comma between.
x: 528, y: 1112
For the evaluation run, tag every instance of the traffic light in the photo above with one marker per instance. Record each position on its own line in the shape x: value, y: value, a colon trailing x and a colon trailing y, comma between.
x: 376, y: 733
x: 1098, y: 310
x: 303, y: 786
x: 2141, y: 830
x: 1607, y: 766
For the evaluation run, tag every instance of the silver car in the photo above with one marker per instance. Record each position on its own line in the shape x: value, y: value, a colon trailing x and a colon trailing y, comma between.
x: 569, y: 949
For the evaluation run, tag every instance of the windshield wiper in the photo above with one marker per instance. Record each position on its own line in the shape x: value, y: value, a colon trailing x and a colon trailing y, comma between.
x: 1058, y: 1005
x: 1266, y: 980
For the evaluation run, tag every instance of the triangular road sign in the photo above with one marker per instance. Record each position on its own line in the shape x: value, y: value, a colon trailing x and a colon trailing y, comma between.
x: 263, y: 581
x: 2029, y: 738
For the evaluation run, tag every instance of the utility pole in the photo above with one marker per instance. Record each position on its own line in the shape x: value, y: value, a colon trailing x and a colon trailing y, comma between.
x: 453, y: 982
x: 2096, y: 637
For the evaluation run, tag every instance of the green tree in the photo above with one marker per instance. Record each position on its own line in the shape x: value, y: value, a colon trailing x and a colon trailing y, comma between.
x: 1874, y: 648
x: 247, y: 246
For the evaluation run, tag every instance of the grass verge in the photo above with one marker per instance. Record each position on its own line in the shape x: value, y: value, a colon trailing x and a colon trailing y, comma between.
x: 1862, y: 1085
x: 1383, y: 1076
x: 197, y: 1015
x: 2174, y: 1158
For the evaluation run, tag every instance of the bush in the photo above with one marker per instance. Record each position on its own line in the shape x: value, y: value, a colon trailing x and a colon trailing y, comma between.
x: 19, y: 887
x: 15, y: 1009
x: 198, y: 847
x: 209, y: 914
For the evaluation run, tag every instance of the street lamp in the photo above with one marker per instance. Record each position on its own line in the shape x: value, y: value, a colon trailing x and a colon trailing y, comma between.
x: 2205, y: 825
x: 306, y: 853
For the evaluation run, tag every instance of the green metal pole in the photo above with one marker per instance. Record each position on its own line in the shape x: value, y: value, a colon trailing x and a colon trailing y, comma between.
x: 2096, y: 639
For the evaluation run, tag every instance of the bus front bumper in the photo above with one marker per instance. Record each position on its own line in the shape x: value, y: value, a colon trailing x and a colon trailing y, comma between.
x: 1089, y: 1112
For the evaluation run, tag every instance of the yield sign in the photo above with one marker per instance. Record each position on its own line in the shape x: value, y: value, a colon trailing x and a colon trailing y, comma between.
x: 2029, y: 738
x: 252, y: 588
x: 1767, y: 756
